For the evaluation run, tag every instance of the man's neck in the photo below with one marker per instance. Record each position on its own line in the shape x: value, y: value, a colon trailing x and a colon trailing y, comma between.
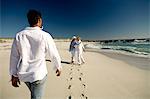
x: 34, y: 26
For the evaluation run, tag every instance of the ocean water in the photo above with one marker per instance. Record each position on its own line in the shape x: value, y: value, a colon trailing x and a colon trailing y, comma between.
x: 136, y: 48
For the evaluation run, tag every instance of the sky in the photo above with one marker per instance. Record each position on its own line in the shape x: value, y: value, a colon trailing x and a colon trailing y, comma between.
x: 89, y: 19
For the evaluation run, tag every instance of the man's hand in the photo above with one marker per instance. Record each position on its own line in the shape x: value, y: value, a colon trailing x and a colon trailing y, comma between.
x: 58, y: 72
x: 15, y: 81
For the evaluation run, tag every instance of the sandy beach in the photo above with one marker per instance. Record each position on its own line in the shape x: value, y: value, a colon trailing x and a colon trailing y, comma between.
x: 104, y: 76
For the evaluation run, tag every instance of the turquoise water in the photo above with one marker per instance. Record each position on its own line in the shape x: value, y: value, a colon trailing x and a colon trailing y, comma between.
x: 136, y: 48
x: 129, y: 47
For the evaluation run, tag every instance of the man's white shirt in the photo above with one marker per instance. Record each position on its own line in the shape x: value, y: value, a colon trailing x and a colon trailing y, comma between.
x: 27, y: 59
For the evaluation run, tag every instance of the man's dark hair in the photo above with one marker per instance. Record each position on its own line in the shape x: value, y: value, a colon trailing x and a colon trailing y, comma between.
x: 33, y: 17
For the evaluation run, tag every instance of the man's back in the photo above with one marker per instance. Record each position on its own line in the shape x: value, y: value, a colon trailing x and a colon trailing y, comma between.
x: 32, y: 45
x: 27, y: 59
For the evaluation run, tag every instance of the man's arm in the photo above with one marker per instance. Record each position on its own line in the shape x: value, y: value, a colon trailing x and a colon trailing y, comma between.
x: 54, y: 55
x: 14, y: 59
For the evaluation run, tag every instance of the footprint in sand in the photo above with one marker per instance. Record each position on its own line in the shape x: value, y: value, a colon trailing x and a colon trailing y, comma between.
x: 80, y: 78
x: 70, y: 73
x: 71, y: 78
x: 69, y: 97
x: 81, y: 74
x: 69, y: 87
x: 82, y: 95
x: 84, y: 85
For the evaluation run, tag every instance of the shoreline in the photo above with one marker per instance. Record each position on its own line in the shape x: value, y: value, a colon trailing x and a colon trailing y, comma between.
x: 137, y: 61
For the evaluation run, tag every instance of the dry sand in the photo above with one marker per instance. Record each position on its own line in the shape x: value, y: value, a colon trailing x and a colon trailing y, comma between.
x: 103, y: 76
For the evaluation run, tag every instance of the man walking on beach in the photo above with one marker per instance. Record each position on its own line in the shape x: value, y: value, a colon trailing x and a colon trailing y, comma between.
x: 27, y: 60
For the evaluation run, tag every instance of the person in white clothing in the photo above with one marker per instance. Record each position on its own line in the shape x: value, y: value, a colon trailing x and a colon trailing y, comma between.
x: 72, y: 48
x: 27, y: 59
x: 79, y: 48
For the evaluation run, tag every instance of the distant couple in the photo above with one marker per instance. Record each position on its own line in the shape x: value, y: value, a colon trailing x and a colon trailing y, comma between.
x: 76, y: 48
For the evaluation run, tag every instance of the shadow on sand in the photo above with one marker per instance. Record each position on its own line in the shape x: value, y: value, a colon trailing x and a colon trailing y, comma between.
x: 61, y: 61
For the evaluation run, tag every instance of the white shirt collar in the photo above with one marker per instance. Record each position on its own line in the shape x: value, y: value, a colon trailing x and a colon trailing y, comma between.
x: 33, y: 28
